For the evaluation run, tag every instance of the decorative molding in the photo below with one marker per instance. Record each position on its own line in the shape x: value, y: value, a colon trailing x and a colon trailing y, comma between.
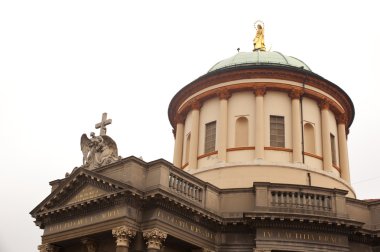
x: 295, y: 93
x: 184, y: 166
x: 48, y: 248
x: 313, y: 155
x: 336, y: 167
x: 278, y: 149
x: 341, y: 119
x: 123, y: 235
x: 155, y: 237
x: 324, y: 104
x: 207, y: 154
x: 241, y: 148
x: 260, y: 91
x: 214, y: 78
x: 180, y: 118
x: 196, y: 104
x: 224, y: 94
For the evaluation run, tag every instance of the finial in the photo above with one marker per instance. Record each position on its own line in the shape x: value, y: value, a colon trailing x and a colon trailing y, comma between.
x: 258, y: 41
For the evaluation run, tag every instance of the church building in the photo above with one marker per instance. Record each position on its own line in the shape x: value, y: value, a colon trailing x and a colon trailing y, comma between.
x: 260, y: 165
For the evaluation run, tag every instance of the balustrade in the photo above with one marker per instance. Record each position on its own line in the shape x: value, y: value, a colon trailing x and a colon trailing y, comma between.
x: 301, y: 200
x: 185, y: 188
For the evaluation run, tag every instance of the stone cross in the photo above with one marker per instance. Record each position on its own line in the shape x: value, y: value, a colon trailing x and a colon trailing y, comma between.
x: 102, y: 125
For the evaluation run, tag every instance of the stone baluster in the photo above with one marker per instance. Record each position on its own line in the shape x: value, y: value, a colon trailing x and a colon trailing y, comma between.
x: 123, y: 235
x: 154, y: 239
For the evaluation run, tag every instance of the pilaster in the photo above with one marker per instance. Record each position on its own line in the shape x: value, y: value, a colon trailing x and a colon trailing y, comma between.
x: 343, y: 150
x: 178, y: 147
x: 259, y: 122
x: 194, y: 139
x: 224, y: 95
x: 295, y: 95
x: 326, y: 146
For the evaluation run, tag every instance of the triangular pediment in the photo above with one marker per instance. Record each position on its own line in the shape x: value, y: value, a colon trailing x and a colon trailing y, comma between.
x: 81, y: 187
x: 86, y: 193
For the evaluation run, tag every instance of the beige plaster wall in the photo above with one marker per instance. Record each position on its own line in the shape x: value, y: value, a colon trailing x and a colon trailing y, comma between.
x: 241, y: 104
x: 243, y: 176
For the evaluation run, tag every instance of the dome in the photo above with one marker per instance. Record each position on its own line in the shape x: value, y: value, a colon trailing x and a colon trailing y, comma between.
x: 259, y: 58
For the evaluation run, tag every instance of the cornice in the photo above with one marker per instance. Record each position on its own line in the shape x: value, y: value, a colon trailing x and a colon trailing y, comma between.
x: 308, y: 79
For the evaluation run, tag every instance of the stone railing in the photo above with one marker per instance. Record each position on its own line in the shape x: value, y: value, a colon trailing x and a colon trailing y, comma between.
x: 185, y: 187
x: 300, y: 199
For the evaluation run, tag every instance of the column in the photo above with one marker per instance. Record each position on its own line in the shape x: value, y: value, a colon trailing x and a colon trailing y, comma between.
x: 224, y: 95
x: 343, y: 150
x: 326, y: 145
x: 194, y: 139
x: 296, y: 125
x: 178, y: 147
x: 123, y: 235
x: 90, y: 244
x: 259, y: 125
x: 48, y: 248
x: 154, y: 239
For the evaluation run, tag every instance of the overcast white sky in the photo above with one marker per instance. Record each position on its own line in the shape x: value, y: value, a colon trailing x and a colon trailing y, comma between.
x: 64, y: 63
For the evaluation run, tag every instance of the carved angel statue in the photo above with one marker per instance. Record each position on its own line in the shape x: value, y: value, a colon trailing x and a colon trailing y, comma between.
x: 98, y: 150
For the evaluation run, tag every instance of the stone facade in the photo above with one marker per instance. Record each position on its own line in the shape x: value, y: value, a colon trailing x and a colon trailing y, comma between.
x: 132, y: 205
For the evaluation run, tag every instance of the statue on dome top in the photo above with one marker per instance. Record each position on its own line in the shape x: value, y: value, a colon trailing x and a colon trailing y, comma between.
x: 258, y: 41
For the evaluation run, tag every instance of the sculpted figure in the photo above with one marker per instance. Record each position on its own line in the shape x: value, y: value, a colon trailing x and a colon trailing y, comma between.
x: 98, y: 150
x: 258, y: 41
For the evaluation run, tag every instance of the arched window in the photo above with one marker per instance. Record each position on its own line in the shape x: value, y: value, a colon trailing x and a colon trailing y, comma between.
x: 241, y: 132
x: 309, y: 138
x: 187, y: 150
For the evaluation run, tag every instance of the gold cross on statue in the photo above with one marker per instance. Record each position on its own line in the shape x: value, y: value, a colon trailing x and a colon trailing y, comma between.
x: 102, y: 125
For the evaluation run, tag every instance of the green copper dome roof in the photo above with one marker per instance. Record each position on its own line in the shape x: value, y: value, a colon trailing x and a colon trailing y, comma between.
x: 259, y: 58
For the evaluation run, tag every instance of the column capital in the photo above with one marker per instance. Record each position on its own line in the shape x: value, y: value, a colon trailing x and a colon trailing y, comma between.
x: 123, y: 235
x: 260, y: 91
x: 324, y: 104
x: 341, y: 118
x: 90, y: 244
x: 224, y: 94
x: 155, y: 237
x: 179, y: 118
x: 196, y: 104
x: 295, y: 93
x: 48, y: 248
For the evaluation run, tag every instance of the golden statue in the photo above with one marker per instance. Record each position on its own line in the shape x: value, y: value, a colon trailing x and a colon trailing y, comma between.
x: 258, y: 41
